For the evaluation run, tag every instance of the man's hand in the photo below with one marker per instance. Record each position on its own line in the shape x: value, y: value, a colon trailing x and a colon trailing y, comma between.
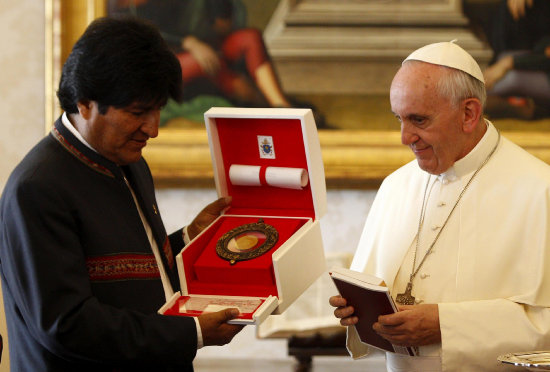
x: 214, y: 327
x: 343, y: 312
x: 207, y: 216
x: 412, y: 326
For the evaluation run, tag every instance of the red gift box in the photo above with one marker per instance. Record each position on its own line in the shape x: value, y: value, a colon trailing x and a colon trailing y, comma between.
x: 269, y: 161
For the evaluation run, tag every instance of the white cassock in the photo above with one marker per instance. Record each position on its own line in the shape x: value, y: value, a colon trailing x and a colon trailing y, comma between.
x: 489, y: 270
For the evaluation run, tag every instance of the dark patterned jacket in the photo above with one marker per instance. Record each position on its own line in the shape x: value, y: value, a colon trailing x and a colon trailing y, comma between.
x: 81, y: 285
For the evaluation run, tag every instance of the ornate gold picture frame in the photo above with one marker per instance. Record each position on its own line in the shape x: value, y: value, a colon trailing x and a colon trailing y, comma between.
x: 181, y: 157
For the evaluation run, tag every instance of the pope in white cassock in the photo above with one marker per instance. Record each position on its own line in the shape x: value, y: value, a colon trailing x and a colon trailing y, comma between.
x: 461, y: 235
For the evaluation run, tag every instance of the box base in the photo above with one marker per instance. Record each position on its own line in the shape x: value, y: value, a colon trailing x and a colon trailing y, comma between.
x: 253, y: 310
x: 197, y: 305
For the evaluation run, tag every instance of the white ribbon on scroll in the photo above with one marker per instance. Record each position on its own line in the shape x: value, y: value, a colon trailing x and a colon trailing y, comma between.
x: 249, y: 175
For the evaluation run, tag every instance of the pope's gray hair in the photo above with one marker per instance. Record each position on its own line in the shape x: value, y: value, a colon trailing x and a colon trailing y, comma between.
x: 458, y: 85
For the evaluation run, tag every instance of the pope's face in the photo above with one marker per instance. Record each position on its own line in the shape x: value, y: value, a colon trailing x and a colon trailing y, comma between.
x: 430, y: 124
x: 121, y: 133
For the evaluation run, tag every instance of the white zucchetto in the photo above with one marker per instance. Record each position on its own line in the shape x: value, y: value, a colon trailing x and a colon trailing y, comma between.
x: 448, y: 54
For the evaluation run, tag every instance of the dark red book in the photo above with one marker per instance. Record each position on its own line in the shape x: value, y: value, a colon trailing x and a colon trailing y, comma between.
x: 370, y: 297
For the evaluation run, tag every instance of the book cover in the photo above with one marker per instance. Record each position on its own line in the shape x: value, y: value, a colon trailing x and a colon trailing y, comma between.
x: 370, y: 298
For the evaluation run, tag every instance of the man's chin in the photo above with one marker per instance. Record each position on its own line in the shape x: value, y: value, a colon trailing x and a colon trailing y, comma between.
x: 129, y: 158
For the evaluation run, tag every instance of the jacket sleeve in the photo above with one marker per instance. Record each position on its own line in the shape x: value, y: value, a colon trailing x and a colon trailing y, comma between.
x: 176, y: 241
x: 44, y: 269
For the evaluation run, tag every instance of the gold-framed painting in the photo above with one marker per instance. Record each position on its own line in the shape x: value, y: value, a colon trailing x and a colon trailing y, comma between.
x: 355, y: 156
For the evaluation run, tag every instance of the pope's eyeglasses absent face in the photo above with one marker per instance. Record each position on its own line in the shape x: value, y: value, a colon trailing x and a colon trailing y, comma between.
x: 430, y: 123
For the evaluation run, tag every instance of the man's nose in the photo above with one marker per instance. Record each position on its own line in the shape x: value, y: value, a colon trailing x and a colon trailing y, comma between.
x: 151, y: 123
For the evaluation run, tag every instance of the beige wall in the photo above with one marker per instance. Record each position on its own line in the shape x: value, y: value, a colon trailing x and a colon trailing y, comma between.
x: 21, y: 80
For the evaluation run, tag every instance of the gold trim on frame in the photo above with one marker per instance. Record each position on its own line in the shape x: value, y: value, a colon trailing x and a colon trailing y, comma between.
x: 181, y: 157
x: 352, y: 159
x: 66, y: 20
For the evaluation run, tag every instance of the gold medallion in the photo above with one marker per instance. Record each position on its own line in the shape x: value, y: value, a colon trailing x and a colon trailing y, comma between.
x: 246, y: 242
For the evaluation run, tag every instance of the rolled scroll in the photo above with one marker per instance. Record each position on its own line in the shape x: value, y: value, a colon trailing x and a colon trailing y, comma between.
x: 255, y: 175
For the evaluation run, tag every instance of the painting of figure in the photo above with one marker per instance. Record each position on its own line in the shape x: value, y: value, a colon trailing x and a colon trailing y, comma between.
x: 224, y: 62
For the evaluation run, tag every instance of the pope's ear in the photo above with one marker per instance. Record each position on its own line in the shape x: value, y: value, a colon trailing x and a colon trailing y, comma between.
x: 471, y: 114
x: 85, y: 109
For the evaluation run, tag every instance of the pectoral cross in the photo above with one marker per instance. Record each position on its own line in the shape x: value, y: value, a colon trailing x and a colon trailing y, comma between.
x: 406, y: 298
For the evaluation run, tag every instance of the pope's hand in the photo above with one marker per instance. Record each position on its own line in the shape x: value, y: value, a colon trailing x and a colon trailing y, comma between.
x: 207, y: 216
x: 415, y: 325
x: 343, y: 312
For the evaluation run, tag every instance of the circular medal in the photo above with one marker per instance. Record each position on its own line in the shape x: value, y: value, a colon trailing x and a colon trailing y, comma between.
x: 246, y: 242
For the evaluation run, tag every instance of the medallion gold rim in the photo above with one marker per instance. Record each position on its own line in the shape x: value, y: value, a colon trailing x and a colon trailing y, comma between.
x: 271, y: 234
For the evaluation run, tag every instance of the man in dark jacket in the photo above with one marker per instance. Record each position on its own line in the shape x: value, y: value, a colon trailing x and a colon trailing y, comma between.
x: 85, y: 260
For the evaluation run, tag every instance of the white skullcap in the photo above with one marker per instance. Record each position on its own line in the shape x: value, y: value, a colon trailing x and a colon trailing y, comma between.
x: 448, y: 54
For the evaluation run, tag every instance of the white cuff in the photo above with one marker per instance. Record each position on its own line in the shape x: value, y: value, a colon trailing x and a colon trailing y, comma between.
x: 200, y: 342
x: 186, y: 239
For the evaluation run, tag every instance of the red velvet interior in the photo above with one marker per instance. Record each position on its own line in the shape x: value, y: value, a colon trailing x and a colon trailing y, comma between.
x: 239, y: 145
x: 211, y: 268
x: 208, y: 274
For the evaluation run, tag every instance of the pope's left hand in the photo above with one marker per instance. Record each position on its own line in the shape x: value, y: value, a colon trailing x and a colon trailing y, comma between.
x: 415, y: 325
x: 207, y: 216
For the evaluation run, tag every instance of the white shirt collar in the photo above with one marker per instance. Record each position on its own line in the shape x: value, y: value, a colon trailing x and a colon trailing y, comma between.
x: 67, y: 123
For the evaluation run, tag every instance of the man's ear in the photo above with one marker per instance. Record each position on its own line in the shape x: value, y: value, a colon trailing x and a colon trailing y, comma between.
x: 472, y: 111
x: 85, y: 109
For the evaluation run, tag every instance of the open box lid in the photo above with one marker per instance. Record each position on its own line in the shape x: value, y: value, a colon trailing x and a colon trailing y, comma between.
x: 273, y: 145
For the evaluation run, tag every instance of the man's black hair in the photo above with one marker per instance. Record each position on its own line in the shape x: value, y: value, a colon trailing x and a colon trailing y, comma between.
x: 117, y: 62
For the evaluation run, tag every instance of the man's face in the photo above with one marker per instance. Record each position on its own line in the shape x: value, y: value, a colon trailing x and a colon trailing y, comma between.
x: 121, y: 134
x: 430, y: 124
